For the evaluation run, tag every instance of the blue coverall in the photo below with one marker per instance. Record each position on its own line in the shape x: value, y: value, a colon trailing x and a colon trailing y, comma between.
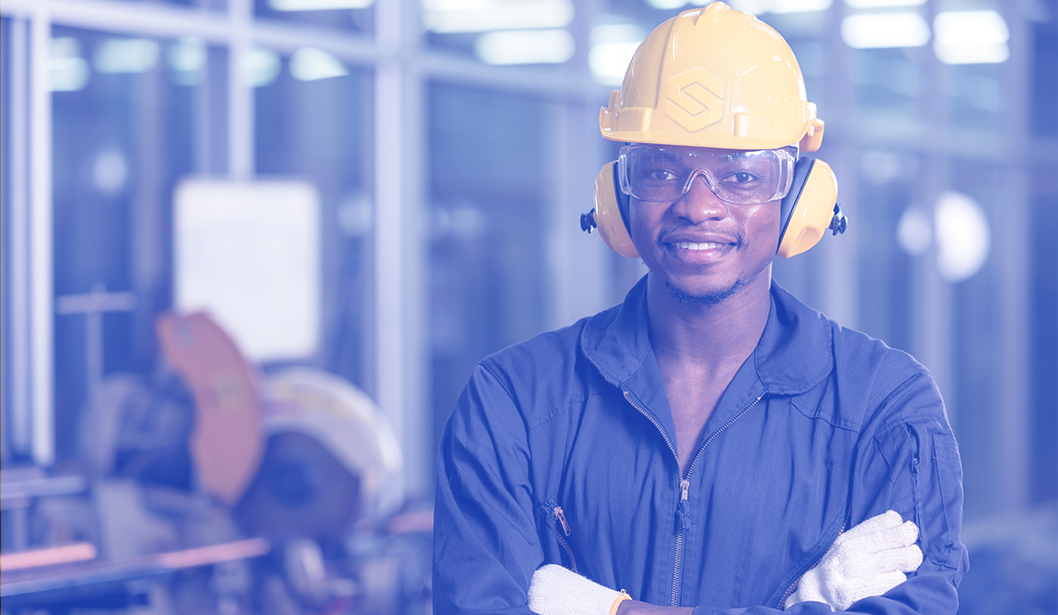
x: 562, y: 450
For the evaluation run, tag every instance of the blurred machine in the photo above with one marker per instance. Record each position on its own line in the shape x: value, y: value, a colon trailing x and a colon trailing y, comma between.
x: 211, y: 487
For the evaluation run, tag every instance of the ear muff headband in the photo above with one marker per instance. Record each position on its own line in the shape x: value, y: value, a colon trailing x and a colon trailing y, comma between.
x: 810, y: 208
x: 611, y: 213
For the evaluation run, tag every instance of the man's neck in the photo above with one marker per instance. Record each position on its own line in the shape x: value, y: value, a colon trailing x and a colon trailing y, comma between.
x: 712, y: 338
x: 700, y: 348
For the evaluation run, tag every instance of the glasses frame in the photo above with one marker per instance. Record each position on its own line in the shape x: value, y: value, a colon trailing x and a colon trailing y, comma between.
x: 788, y: 156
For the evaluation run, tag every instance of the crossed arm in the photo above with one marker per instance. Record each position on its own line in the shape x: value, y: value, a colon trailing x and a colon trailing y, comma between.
x: 868, y: 560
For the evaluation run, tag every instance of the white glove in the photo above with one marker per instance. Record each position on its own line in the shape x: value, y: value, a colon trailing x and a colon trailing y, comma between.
x: 868, y: 560
x: 557, y: 591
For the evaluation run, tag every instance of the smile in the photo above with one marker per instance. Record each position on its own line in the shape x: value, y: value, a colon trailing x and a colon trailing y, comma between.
x: 687, y: 245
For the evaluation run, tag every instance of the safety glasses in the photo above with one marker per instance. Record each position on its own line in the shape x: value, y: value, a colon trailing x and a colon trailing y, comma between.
x: 665, y: 173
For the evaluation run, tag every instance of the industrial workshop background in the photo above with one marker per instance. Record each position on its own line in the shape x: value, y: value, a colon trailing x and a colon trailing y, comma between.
x: 423, y: 165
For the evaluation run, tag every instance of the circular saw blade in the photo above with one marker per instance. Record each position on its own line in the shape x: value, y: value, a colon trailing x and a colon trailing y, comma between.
x: 301, y: 490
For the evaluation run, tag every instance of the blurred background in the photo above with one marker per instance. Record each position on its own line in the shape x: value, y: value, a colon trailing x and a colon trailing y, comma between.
x: 252, y: 250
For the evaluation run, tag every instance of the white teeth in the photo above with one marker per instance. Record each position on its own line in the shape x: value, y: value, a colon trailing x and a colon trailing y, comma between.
x: 686, y: 245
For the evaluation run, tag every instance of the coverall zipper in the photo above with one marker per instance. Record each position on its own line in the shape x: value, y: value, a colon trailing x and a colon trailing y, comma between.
x: 685, y: 485
x: 560, y: 516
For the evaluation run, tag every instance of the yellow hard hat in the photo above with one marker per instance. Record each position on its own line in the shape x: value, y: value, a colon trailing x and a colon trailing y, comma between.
x: 718, y: 78
x: 713, y: 77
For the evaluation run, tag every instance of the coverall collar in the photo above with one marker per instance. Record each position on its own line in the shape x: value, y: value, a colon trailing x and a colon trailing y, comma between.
x: 793, y: 355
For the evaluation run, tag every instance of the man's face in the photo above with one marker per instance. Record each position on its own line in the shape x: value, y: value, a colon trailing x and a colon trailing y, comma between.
x: 703, y: 248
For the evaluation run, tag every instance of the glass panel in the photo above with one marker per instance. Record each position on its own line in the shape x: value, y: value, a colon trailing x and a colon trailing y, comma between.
x: 124, y: 132
x: 1043, y: 294
x: 976, y: 409
x: 487, y: 273
x: 215, y: 5
x: 975, y: 96
x: 1043, y: 89
x: 502, y: 32
x: 885, y: 215
x: 886, y: 87
x: 5, y: 224
x: 616, y: 33
x: 358, y: 15
x: 314, y: 121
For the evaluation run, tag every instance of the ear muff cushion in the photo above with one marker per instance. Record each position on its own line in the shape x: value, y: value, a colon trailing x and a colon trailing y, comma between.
x: 807, y: 210
x: 622, y: 198
x: 789, y: 202
x: 610, y: 217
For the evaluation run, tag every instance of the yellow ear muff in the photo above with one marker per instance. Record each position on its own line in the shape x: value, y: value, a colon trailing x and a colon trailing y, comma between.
x: 807, y: 212
x: 810, y: 208
x: 608, y: 214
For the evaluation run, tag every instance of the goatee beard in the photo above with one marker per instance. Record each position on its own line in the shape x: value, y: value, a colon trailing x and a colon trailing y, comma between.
x: 708, y: 299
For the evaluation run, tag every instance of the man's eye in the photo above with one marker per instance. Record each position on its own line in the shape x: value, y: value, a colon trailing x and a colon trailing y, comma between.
x: 661, y: 175
x: 742, y: 177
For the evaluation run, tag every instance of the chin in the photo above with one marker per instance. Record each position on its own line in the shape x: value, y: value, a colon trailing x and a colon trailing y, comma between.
x: 707, y: 298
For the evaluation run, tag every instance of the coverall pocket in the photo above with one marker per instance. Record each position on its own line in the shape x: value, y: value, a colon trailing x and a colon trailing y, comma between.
x: 938, y: 495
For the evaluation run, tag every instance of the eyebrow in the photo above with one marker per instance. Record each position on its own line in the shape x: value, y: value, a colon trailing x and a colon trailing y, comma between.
x: 733, y: 155
x: 667, y: 156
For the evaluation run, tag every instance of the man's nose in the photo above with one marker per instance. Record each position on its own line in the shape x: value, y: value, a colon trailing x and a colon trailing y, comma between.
x: 700, y: 203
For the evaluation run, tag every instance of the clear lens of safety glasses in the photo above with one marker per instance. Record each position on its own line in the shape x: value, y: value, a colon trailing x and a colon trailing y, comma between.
x: 665, y: 173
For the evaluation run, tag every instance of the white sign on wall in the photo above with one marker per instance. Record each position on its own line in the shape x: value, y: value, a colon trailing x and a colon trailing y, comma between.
x: 248, y: 253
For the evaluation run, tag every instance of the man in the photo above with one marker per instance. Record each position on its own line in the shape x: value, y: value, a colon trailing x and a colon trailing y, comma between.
x: 711, y: 443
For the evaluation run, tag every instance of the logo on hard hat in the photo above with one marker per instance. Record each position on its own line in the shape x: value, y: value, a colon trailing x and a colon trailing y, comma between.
x: 694, y: 99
